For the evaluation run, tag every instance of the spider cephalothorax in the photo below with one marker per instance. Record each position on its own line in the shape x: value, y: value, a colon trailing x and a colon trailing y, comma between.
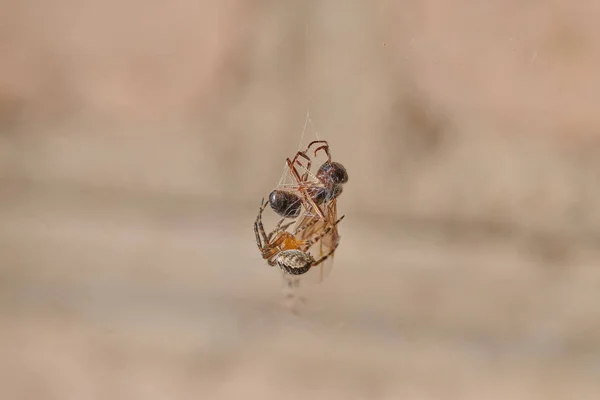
x: 283, y: 249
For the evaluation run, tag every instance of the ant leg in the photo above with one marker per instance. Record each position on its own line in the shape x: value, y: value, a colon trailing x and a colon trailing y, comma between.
x: 307, y: 158
x: 308, y: 165
x: 271, y: 262
x: 258, y: 242
x: 332, y: 212
x: 313, y: 205
x: 324, y: 147
x: 308, y: 200
x: 261, y: 228
x: 272, y: 249
x: 326, y: 150
x: 277, y: 227
x: 303, y: 155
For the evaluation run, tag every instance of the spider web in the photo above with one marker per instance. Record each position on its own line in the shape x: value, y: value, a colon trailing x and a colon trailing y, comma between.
x: 286, y: 178
x: 287, y: 181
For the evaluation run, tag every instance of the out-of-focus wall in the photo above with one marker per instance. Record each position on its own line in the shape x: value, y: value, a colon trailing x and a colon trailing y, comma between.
x: 138, y: 137
x: 442, y: 112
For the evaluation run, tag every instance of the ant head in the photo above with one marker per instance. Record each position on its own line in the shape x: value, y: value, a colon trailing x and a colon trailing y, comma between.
x: 332, y: 173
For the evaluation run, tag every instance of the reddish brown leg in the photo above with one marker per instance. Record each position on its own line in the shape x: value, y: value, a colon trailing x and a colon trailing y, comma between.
x: 307, y: 198
x: 324, y: 142
x: 324, y: 147
x: 308, y: 165
x: 303, y: 155
x: 258, y: 242
x: 326, y: 150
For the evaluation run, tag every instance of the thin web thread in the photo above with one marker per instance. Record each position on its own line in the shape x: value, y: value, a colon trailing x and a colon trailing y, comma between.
x: 285, y: 180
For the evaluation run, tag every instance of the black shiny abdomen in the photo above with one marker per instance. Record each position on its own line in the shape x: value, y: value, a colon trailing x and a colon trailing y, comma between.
x: 285, y: 204
x: 332, y: 173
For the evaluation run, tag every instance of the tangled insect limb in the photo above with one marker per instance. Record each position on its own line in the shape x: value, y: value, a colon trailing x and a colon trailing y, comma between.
x: 313, y: 191
x: 284, y: 249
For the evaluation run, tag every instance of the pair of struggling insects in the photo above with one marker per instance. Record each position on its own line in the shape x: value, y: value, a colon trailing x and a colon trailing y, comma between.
x: 310, y: 202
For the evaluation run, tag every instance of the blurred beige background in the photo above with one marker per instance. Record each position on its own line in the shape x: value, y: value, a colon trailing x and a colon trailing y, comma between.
x: 137, y: 139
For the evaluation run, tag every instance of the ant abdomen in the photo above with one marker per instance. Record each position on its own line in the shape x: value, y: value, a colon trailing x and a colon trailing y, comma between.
x: 285, y: 204
x: 332, y: 173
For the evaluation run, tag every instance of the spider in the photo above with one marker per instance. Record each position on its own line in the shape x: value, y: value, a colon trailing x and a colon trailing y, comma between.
x: 325, y: 187
x: 283, y: 249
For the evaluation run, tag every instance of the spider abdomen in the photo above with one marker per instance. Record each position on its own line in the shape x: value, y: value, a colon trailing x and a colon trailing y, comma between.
x: 294, y: 262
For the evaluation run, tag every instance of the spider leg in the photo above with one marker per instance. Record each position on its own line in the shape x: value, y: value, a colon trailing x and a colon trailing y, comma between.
x: 258, y: 242
x: 261, y: 227
x: 308, y: 243
x: 304, y: 227
x: 326, y: 150
x: 313, y: 205
x: 268, y: 250
x: 269, y: 256
x: 307, y: 167
x: 280, y: 228
x: 291, y: 295
x: 326, y: 256
x: 324, y: 142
